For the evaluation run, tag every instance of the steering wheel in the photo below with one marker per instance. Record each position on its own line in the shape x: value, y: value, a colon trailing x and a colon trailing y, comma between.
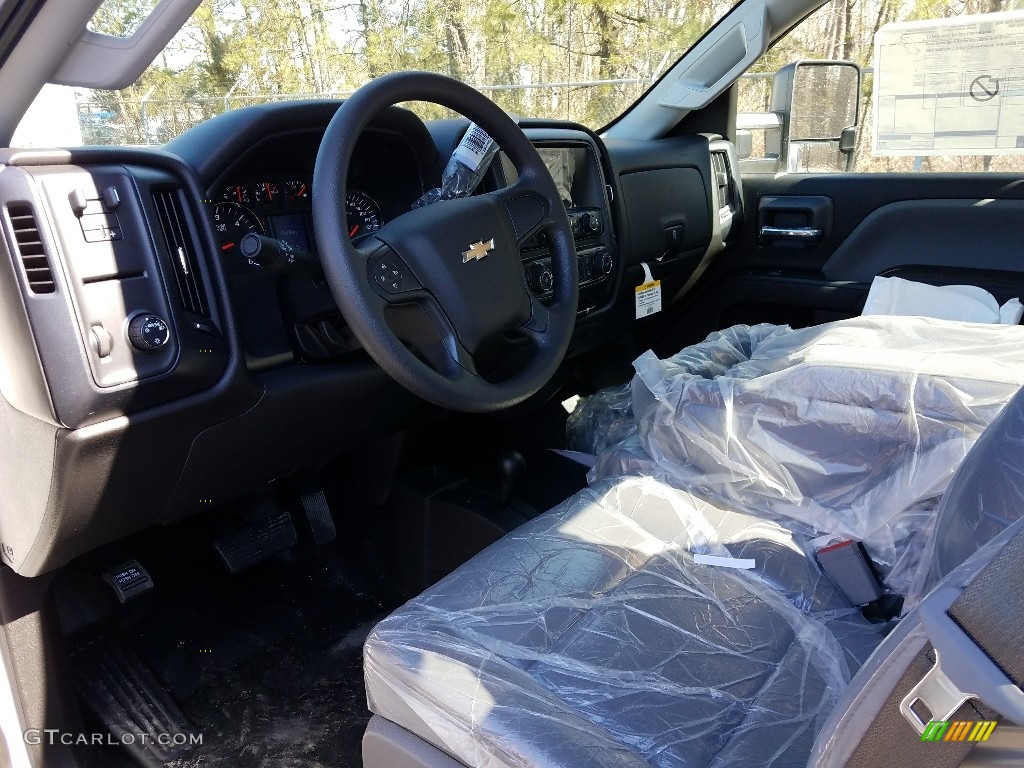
x: 458, y: 261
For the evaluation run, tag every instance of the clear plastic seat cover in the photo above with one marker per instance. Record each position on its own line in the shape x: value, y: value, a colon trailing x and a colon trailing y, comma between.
x: 851, y: 428
x: 588, y: 637
x: 592, y: 637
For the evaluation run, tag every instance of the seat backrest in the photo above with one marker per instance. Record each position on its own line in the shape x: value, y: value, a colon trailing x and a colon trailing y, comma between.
x: 986, y: 495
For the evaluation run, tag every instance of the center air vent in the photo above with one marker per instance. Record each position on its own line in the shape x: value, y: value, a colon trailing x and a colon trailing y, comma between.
x: 181, y: 250
x: 30, y: 248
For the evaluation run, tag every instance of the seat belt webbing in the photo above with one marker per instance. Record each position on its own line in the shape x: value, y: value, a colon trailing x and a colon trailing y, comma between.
x: 990, y: 610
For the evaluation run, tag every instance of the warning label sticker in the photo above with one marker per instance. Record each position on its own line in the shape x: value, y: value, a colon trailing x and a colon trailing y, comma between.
x: 648, y: 298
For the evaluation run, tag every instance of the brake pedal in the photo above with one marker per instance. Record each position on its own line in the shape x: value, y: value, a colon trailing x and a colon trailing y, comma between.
x: 256, y: 542
x: 318, y: 513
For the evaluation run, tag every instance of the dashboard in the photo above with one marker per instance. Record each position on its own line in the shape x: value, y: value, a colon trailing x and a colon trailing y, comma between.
x: 269, y: 191
x: 150, y: 371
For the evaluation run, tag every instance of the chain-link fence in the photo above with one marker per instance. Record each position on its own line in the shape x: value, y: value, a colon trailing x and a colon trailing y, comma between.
x: 122, y: 121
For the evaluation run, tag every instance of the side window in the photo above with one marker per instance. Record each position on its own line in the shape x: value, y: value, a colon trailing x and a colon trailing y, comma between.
x: 941, y: 90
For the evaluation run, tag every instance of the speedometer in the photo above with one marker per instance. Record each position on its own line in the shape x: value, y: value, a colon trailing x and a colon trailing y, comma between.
x: 362, y: 212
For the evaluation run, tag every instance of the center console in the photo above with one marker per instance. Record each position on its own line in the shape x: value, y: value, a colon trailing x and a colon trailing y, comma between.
x: 576, y: 168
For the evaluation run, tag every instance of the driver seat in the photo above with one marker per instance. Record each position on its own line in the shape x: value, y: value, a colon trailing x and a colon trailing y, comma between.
x: 592, y: 637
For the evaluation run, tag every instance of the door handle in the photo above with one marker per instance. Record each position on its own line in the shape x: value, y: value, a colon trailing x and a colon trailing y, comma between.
x: 794, y: 222
x: 802, y: 234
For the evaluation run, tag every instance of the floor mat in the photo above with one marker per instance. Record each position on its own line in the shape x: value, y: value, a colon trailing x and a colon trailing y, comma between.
x: 266, y: 664
x: 296, y: 705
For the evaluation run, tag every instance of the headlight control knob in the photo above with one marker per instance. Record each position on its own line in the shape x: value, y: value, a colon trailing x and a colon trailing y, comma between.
x: 148, y: 333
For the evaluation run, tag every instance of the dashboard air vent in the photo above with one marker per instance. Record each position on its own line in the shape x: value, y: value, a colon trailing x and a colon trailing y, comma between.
x: 720, y: 169
x: 181, y: 249
x: 30, y: 248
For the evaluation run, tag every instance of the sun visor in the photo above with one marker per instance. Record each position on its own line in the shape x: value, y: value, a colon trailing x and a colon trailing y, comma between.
x: 106, y: 62
x: 722, y: 56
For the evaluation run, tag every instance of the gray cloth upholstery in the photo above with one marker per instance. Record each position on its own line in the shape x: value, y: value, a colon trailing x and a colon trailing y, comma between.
x: 852, y: 428
x: 987, y: 493
x: 589, y: 637
x: 593, y: 637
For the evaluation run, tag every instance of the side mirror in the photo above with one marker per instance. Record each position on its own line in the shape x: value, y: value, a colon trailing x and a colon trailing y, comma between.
x: 744, y: 144
x: 818, y: 103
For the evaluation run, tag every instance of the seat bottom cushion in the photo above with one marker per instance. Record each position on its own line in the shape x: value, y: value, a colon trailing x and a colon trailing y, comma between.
x: 588, y: 637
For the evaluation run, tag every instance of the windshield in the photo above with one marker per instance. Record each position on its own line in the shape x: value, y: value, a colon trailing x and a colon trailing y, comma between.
x: 584, y: 61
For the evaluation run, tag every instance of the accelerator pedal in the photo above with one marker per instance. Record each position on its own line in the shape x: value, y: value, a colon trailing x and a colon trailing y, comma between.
x: 318, y: 513
x: 256, y: 542
x: 124, y: 695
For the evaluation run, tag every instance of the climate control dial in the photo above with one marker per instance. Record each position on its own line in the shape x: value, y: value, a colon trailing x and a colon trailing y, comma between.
x: 600, y: 263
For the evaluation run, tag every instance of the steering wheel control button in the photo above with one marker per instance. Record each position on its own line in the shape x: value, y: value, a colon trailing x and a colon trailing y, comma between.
x: 391, y: 275
x: 539, y: 278
x: 148, y: 333
x: 102, y: 341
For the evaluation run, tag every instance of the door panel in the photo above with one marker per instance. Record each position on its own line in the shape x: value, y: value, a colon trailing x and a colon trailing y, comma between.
x: 960, y: 233
x: 936, y: 228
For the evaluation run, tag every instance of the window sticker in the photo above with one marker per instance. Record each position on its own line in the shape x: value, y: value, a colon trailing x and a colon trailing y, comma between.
x: 950, y: 86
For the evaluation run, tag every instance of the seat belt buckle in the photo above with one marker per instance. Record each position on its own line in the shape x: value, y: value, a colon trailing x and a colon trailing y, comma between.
x: 847, y: 566
x: 938, y: 694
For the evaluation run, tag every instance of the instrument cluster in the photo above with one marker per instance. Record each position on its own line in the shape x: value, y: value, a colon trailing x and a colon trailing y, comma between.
x: 280, y: 207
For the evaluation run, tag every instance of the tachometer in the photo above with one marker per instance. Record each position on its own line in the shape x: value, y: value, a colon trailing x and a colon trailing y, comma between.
x: 363, y: 213
x: 235, y: 193
x: 232, y: 222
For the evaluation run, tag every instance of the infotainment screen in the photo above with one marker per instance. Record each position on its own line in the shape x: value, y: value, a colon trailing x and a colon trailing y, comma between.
x: 561, y: 163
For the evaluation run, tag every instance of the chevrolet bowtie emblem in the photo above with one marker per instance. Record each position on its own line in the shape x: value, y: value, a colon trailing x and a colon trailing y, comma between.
x: 478, y: 250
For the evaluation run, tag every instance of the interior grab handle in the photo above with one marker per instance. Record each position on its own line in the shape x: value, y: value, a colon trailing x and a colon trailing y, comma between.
x: 802, y: 234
